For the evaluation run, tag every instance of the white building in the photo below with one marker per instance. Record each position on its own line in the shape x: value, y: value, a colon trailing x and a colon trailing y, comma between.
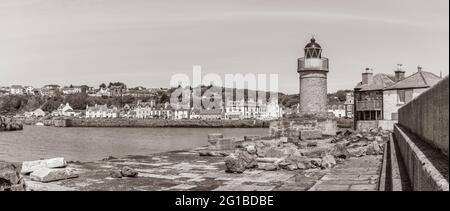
x: 65, y: 110
x: 17, y: 90
x: 101, y: 111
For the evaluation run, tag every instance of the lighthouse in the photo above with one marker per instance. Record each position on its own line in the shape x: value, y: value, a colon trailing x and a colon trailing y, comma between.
x: 313, y: 70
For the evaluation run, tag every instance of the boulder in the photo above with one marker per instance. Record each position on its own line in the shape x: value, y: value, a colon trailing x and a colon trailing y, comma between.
x: 340, y: 151
x: 49, y: 175
x: 31, y: 166
x: 239, y: 161
x: 115, y: 173
x: 328, y: 161
x: 251, y: 149
x: 128, y: 172
x: 10, y: 179
x: 374, y: 149
x: 315, y: 162
x: 234, y: 164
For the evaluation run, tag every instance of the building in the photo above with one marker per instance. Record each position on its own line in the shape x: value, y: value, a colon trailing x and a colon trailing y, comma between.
x: 378, y: 97
x: 313, y: 70
x: 101, y: 111
x: 406, y: 89
x: 271, y: 111
x: 153, y: 111
x: 337, y: 108
x: 252, y: 110
x: 17, y: 90
x: 179, y: 114
x: 65, y: 110
x: 36, y: 113
x: 213, y: 114
x: 74, y: 89
x: 349, y: 102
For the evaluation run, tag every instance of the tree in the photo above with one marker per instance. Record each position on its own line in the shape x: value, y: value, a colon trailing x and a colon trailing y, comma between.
x: 102, y: 86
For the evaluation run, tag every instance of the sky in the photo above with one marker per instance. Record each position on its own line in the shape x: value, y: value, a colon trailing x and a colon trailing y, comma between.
x: 146, y: 42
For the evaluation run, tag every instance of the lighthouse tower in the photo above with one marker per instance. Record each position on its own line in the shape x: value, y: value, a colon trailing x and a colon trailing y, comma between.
x: 313, y: 69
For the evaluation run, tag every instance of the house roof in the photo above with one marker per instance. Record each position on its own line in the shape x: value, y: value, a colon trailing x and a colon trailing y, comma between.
x: 420, y: 79
x: 211, y: 112
x: 379, y: 82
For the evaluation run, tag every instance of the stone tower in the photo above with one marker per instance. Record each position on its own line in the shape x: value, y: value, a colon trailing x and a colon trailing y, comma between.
x: 313, y: 70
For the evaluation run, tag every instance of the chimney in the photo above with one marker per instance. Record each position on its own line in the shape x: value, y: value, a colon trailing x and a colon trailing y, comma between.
x: 419, y: 68
x: 399, y: 73
x: 367, y: 76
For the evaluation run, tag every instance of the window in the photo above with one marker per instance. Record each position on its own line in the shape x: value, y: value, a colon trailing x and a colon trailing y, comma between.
x: 401, y: 96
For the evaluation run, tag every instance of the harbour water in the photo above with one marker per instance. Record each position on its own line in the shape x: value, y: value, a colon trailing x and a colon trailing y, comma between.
x: 91, y: 144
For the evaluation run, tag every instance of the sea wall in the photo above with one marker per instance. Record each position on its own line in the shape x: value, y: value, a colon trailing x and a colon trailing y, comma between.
x: 427, y: 116
x: 81, y: 122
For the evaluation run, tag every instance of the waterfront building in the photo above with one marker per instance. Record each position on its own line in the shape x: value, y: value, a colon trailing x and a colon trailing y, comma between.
x: 313, y: 70
x: 101, y: 111
x: 150, y: 110
x: 36, y: 113
x: 65, y: 110
x: 378, y: 97
x: 213, y: 114
x: 180, y: 114
x: 17, y: 90
x: 252, y: 110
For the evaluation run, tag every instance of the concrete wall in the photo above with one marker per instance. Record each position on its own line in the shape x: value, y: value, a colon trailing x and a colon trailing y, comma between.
x: 426, y: 169
x: 427, y: 116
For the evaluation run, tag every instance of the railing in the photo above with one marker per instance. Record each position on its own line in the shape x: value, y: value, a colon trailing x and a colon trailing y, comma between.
x: 313, y: 64
x: 369, y: 105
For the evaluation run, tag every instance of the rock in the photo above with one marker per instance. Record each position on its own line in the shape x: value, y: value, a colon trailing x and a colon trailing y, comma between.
x: 301, y: 166
x: 49, y: 175
x: 328, y: 161
x: 359, y: 135
x: 312, y: 144
x: 248, y: 159
x: 374, y: 149
x: 378, y: 138
x: 270, y: 167
x: 128, y: 172
x: 31, y: 166
x: 316, y: 162
x: 234, y: 164
x: 223, y: 144
x: 347, y: 133
x: 292, y: 167
x: 10, y: 179
x: 251, y: 149
x: 310, y: 134
x: 115, y: 173
x: 340, y: 151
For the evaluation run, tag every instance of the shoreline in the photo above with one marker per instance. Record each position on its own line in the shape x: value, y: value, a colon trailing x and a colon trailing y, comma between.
x: 149, y: 123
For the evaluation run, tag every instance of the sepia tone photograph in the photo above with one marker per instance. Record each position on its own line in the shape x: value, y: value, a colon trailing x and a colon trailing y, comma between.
x: 224, y: 95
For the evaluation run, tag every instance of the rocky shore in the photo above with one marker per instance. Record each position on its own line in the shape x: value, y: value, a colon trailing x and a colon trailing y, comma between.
x: 347, y: 161
x: 9, y: 124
